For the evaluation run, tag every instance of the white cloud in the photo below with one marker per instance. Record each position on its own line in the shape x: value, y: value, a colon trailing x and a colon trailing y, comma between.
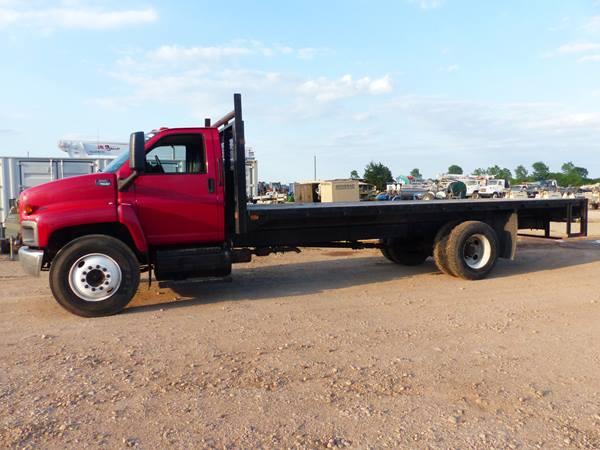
x: 510, y: 125
x: 236, y: 49
x: 74, y: 17
x: 451, y: 68
x: 362, y: 116
x: 325, y: 89
x: 169, y: 53
x: 428, y: 4
x: 578, y: 47
x: 593, y: 24
x: 589, y: 58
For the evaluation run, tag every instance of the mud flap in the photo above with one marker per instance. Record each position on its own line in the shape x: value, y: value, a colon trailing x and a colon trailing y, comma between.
x: 508, y: 241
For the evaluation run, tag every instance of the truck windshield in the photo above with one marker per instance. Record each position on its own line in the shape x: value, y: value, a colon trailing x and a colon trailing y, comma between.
x: 116, y: 163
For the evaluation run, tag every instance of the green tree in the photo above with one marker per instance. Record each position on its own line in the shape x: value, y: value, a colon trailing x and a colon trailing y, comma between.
x: 493, y: 171
x: 540, y: 171
x: 416, y: 174
x: 354, y: 175
x: 521, y: 173
x: 455, y: 170
x: 572, y: 175
x: 500, y: 173
x: 378, y: 175
x: 567, y: 167
x: 582, y: 172
x: 479, y: 172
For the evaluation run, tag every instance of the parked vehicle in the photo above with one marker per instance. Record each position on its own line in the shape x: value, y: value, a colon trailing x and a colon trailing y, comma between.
x: 473, y: 187
x: 517, y: 191
x: 535, y: 188
x: 383, y: 196
x: 189, y: 217
x: 492, y: 189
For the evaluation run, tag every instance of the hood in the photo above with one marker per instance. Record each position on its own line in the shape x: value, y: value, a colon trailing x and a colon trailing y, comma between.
x: 82, y: 190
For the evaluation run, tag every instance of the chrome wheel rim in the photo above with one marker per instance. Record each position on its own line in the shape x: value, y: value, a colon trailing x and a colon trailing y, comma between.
x: 477, y: 251
x: 95, y: 277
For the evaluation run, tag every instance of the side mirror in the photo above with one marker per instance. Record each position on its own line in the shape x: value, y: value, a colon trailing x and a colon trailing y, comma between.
x: 137, y: 152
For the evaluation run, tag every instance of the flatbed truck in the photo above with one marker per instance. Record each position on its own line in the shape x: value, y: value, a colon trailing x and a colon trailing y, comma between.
x: 176, y: 206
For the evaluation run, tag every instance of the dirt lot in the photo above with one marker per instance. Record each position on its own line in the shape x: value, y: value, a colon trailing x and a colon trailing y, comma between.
x: 322, y: 349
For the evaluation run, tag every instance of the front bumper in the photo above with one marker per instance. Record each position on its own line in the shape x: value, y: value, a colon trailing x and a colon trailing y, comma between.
x: 31, y: 260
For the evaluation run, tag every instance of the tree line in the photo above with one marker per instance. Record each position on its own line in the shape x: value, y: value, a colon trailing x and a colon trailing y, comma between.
x: 570, y: 175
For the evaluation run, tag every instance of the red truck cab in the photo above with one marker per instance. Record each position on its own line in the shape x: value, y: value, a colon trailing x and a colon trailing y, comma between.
x: 179, y: 197
x: 176, y: 199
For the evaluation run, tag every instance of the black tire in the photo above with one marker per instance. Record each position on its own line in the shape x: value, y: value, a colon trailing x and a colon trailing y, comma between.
x: 4, y: 246
x: 405, y: 253
x: 65, y: 260
x: 461, y: 242
x: 595, y: 205
x: 384, y: 249
x: 475, y: 195
x: 439, y: 248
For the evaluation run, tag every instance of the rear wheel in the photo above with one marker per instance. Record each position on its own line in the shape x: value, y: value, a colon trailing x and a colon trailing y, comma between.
x: 94, y: 275
x: 404, y: 253
x: 471, y: 250
x: 475, y: 195
x: 439, y: 248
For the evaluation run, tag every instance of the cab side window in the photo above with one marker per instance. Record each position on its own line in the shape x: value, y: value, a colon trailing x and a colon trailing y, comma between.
x: 180, y: 154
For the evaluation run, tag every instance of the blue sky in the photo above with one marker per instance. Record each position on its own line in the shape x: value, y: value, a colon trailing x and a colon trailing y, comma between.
x: 410, y: 83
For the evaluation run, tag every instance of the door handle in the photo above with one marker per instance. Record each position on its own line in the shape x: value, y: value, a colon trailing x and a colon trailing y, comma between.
x: 211, y: 185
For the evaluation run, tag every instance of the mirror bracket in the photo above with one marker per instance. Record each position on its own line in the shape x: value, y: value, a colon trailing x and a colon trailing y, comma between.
x: 124, y: 183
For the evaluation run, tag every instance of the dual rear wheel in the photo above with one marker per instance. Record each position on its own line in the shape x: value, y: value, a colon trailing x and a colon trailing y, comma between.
x: 467, y: 250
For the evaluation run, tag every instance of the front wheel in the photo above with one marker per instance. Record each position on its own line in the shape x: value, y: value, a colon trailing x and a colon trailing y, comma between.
x: 95, y: 275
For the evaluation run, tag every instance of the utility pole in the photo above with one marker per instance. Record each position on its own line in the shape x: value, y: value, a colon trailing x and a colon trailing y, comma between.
x: 315, y: 167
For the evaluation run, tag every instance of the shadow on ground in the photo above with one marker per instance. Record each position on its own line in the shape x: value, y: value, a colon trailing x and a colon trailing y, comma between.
x: 314, y: 277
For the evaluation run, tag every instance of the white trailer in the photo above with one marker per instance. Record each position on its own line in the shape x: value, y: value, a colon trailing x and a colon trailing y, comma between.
x: 20, y: 173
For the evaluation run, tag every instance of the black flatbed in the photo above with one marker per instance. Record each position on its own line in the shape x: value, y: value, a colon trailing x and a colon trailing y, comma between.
x: 344, y: 224
x: 313, y: 223
x: 494, y: 204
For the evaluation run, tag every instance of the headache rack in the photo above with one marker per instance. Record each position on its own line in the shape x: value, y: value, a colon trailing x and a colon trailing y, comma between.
x: 233, y: 146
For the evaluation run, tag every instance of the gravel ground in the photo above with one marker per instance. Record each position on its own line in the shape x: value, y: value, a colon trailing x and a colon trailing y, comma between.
x: 322, y: 349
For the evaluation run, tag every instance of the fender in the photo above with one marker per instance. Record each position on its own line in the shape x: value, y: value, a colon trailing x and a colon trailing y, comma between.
x: 128, y: 217
x: 63, y: 215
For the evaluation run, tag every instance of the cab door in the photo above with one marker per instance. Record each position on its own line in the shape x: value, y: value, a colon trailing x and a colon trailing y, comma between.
x: 178, y: 200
